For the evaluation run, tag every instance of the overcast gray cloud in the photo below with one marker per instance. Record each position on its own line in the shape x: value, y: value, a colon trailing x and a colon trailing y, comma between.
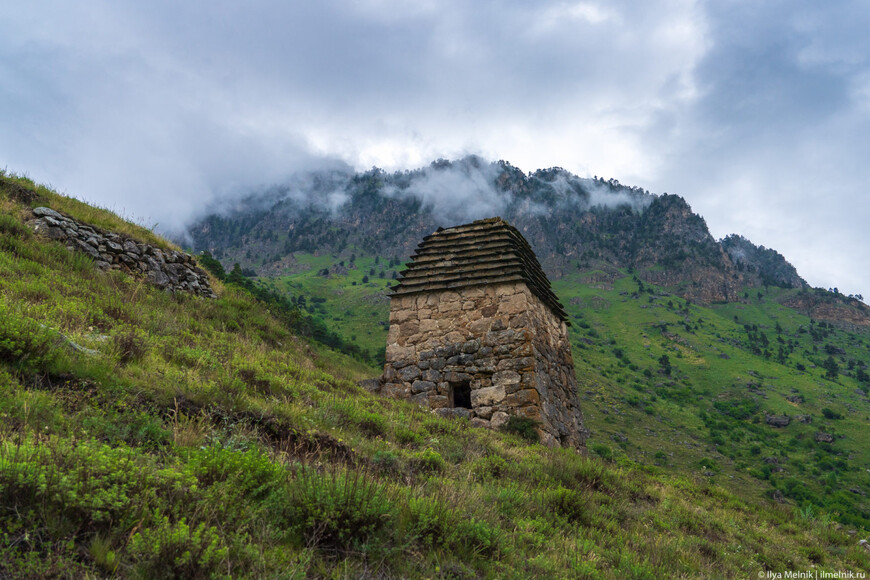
x: 757, y: 113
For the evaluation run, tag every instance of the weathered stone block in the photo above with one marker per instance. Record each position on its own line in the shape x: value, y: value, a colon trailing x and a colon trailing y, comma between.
x: 473, y: 292
x: 447, y: 351
x: 499, y: 419
x: 514, y: 305
x: 409, y: 328
x: 47, y: 212
x: 471, y: 346
x: 402, y: 316
x: 508, y: 377
x: 452, y: 412
x: 478, y: 422
x: 530, y: 412
x: 428, y: 325
x: 421, y: 399
x: 396, y: 352
x: 438, y: 401
x: 487, y: 396
x: 516, y: 364
x: 371, y: 385
x: 419, y: 386
x: 409, y: 373
x: 523, y: 398
x: 480, y: 327
x: 484, y: 412
x: 456, y: 377
x: 437, y: 363
x: 396, y: 390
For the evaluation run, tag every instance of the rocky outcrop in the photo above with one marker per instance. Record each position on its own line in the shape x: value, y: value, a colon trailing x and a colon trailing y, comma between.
x: 777, y: 420
x: 820, y: 304
x: 761, y: 266
x: 822, y: 437
x: 168, y: 269
x: 673, y: 247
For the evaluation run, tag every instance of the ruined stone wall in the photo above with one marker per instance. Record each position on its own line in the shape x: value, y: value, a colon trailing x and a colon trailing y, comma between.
x: 167, y: 269
x: 502, y: 341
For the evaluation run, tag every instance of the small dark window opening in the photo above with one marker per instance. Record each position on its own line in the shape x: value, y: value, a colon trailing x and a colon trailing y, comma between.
x: 461, y: 395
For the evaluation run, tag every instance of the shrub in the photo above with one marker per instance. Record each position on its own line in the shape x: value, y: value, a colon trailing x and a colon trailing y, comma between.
x: 427, y: 461
x: 24, y: 341
x: 130, y: 344
x: 405, y: 436
x: 831, y: 414
x: 524, y: 427
x: 490, y: 466
x: 478, y: 537
x: 386, y: 461
x: 178, y: 551
x: 372, y: 424
x: 10, y: 226
x: 710, y: 464
x: 335, y: 511
x: 431, y: 522
x: 603, y: 451
x: 251, y: 473
x: 566, y: 503
x: 441, y: 426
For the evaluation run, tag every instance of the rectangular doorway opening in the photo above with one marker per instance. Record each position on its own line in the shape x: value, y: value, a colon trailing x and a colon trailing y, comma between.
x: 460, y: 395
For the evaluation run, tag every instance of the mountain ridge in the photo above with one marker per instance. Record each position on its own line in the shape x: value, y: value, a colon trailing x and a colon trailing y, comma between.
x: 572, y: 223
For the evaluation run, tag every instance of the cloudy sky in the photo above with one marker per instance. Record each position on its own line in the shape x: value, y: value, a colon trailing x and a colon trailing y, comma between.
x: 758, y: 113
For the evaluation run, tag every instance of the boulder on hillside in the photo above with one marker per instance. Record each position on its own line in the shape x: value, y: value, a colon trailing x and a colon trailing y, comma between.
x: 777, y: 420
x: 822, y: 437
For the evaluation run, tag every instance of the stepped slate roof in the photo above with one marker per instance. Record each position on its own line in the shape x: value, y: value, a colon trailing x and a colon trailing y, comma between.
x: 489, y: 251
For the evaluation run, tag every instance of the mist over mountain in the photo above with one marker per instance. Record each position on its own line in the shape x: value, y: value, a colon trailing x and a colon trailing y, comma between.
x: 573, y: 223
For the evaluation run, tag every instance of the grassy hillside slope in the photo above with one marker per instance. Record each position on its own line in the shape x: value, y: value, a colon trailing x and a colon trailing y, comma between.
x: 729, y: 367
x: 149, y: 435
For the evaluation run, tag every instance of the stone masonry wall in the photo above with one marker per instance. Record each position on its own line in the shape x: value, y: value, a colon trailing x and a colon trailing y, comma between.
x: 167, y: 269
x: 499, y: 339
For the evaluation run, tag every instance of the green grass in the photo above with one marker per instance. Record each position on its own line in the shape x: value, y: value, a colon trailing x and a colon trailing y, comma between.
x: 673, y: 422
x: 204, y: 439
x: 357, y: 310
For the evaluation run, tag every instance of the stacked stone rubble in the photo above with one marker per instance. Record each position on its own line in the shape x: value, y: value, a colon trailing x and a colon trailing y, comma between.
x: 475, y: 312
x: 167, y: 269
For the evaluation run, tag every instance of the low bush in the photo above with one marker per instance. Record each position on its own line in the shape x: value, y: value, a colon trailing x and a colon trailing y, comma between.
x: 405, y: 436
x: 427, y: 461
x: 336, y: 510
x: 523, y: 427
x: 24, y: 342
x: 176, y: 550
x: 569, y: 504
x: 491, y: 466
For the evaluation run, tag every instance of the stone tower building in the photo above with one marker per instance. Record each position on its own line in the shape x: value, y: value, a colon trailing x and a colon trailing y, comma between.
x: 476, y: 331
